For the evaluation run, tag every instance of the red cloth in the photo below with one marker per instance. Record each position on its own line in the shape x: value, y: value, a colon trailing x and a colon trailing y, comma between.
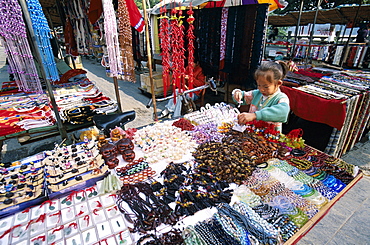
x: 199, y: 78
x: 310, y: 73
x: 316, y: 109
x: 95, y: 11
x: 136, y: 20
x: 10, y: 117
x: 70, y: 41
x: 69, y: 74
x: 215, y: 4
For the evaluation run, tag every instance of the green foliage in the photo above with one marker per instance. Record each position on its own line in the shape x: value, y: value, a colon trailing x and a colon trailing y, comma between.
x: 139, y: 3
x: 294, y: 5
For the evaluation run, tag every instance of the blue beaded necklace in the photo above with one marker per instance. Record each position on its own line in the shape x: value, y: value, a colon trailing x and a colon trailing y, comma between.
x: 43, y: 35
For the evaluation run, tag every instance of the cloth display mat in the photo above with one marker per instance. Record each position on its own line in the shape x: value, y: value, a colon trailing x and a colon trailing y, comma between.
x: 314, y: 108
x: 20, y: 111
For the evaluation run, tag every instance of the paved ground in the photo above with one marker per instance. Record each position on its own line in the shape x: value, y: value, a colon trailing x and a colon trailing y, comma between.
x: 345, y: 223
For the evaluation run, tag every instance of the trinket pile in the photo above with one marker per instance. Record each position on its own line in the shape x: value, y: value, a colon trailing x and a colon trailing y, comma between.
x: 22, y: 182
x: 248, y: 186
x: 67, y: 166
x: 163, y: 142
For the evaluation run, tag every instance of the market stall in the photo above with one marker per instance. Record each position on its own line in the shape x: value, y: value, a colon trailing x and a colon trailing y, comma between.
x: 343, y: 101
x: 165, y: 184
x: 200, y: 179
x: 41, y: 102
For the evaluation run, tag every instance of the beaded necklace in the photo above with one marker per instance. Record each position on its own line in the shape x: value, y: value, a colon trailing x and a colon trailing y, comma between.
x: 250, y: 213
x: 206, y: 234
x: 216, y: 228
x: 125, y: 39
x: 247, y: 224
x: 191, y: 236
x: 111, y: 38
x: 14, y: 39
x: 43, y: 35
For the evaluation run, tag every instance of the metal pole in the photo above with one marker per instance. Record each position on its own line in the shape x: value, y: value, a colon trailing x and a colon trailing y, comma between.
x: 150, y: 61
x: 297, y: 29
x: 27, y: 18
x: 312, y: 31
x: 350, y: 33
x: 340, y: 31
x: 117, y: 94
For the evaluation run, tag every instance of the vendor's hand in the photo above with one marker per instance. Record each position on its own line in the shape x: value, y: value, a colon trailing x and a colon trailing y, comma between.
x: 186, y: 76
x: 238, y: 96
x: 245, y: 117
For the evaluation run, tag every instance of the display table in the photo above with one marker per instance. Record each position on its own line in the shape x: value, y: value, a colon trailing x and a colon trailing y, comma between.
x: 316, y: 109
x: 338, y: 107
x: 188, y: 184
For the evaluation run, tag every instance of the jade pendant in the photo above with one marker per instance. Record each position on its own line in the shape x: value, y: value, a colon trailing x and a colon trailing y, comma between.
x: 67, y: 231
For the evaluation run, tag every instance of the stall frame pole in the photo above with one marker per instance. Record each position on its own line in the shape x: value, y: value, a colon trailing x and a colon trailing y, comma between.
x: 26, y: 14
x: 150, y: 61
x: 309, y: 56
x: 115, y: 81
x: 296, y: 31
x: 350, y: 33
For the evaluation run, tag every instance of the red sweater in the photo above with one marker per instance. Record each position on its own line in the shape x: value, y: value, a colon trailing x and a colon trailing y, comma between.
x: 199, y: 78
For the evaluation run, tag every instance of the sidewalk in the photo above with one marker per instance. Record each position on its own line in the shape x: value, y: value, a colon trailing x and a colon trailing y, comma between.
x: 345, y: 223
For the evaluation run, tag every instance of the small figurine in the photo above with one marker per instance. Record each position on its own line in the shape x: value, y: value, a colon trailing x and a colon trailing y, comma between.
x: 101, y: 140
x: 124, y: 144
x: 108, y: 151
x: 128, y: 155
x: 117, y: 134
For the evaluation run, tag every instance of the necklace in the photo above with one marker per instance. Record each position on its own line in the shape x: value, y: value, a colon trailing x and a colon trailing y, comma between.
x: 125, y: 41
x: 111, y: 36
x: 14, y: 39
x: 43, y: 35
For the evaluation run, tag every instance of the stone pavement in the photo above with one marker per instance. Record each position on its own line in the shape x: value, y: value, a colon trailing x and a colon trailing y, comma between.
x: 345, y: 223
x: 347, y: 220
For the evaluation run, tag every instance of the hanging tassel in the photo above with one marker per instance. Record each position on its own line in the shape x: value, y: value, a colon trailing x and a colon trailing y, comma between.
x: 191, y: 38
x: 164, y: 35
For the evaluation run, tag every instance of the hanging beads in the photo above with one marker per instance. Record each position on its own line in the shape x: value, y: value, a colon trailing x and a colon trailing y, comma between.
x: 191, y: 39
x: 14, y: 39
x: 43, y: 35
x: 111, y: 37
x: 125, y: 40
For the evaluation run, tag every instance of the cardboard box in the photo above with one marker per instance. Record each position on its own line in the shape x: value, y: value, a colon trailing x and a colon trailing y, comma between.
x: 157, y: 80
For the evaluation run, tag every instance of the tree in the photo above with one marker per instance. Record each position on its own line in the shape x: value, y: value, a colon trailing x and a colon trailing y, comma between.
x: 294, y: 5
x: 139, y: 3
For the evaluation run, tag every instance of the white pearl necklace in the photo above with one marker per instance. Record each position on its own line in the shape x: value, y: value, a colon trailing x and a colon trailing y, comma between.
x: 162, y: 141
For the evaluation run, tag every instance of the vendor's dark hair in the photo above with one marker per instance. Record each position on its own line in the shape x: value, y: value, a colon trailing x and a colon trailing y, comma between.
x: 279, y: 70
